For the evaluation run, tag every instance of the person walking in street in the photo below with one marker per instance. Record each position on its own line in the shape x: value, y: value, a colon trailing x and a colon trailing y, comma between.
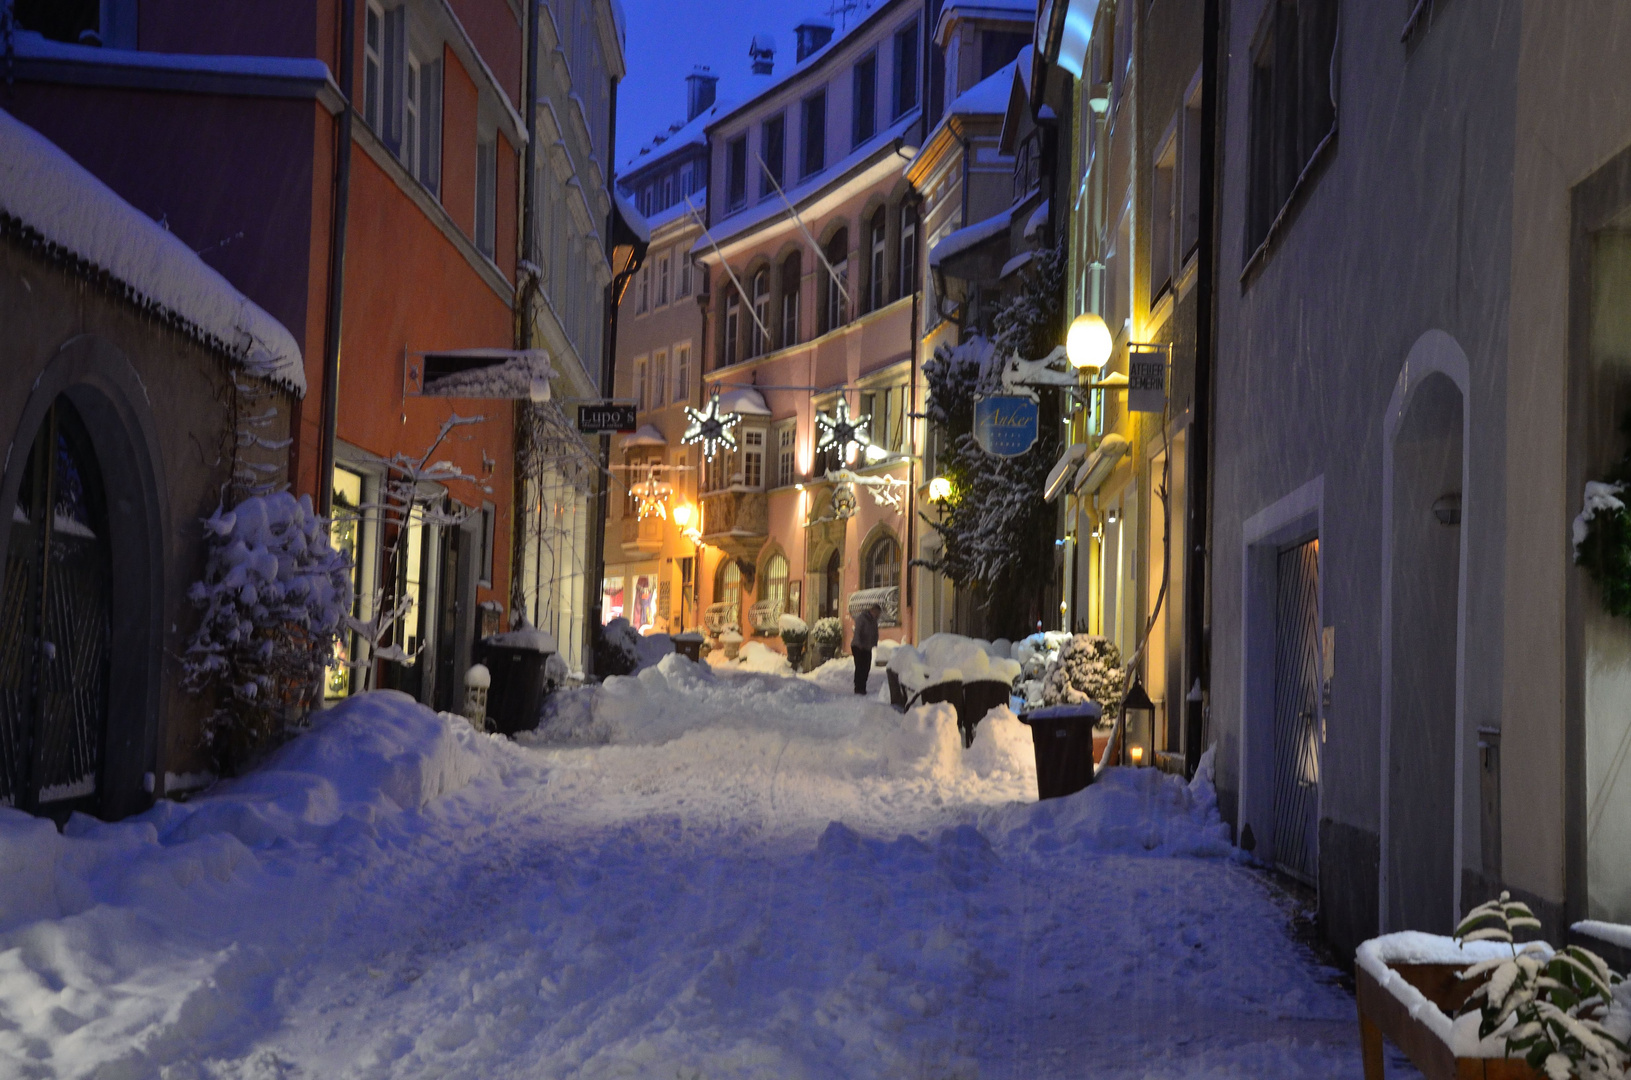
x: 861, y: 643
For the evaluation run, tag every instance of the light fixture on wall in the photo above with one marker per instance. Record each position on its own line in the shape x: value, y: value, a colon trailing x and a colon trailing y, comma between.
x: 1088, y: 343
x: 1447, y: 508
x: 939, y: 489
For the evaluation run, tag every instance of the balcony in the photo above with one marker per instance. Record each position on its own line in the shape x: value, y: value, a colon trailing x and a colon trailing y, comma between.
x: 736, y: 520
x: 643, y: 536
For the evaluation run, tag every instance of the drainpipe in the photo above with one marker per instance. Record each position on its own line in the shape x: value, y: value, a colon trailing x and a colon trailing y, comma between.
x: 608, y: 385
x: 528, y: 287
x: 336, y: 267
x: 1197, y: 651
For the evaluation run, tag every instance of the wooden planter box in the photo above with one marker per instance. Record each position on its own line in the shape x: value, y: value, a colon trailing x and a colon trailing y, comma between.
x: 1383, y: 1015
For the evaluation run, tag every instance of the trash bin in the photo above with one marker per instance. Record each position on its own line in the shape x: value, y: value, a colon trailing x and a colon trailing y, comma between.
x: 980, y: 696
x: 897, y: 693
x: 1063, y: 738
x: 516, y: 694
x: 688, y: 645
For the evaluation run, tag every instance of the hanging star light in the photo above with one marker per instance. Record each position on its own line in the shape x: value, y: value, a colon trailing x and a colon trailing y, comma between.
x: 710, y: 428
x: 838, y: 430
x: 652, y: 496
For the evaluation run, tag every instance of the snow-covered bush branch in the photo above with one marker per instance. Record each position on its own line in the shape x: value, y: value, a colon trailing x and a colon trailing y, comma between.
x: 1089, y: 669
x: 275, y: 595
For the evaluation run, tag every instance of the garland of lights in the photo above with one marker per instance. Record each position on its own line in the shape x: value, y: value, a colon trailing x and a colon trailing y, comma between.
x: 710, y: 427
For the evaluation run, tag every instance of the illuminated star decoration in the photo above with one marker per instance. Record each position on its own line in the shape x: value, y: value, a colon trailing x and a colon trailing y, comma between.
x: 709, y: 428
x: 839, y: 430
x: 652, y: 496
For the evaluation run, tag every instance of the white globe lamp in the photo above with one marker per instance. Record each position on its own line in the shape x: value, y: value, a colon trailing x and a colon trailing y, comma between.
x: 1088, y: 344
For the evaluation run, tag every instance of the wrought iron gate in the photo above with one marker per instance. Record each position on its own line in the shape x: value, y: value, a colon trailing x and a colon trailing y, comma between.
x: 55, y: 625
x: 1296, y: 712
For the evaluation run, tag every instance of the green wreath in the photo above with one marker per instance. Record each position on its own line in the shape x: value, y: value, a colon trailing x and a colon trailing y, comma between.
x: 1602, y: 535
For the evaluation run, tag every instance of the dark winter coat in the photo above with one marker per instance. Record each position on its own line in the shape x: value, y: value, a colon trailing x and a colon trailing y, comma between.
x: 866, y: 631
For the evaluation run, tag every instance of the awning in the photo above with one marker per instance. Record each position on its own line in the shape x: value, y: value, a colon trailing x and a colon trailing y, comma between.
x: 744, y: 401
x: 514, y: 374
x: 647, y: 435
x: 1099, y: 464
x: 1062, y: 470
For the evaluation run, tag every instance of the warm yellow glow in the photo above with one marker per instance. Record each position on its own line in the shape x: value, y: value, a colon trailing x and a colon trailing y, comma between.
x: 939, y: 489
x: 682, y: 515
x: 1088, y: 344
x: 1138, y: 755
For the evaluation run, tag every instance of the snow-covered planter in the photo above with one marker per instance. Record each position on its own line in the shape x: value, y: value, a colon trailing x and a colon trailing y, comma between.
x: 1088, y: 669
x: 827, y: 635
x: 795, y: 634
x: 731, y: 641
x: 1479, y: 1004
x: 275, y: 596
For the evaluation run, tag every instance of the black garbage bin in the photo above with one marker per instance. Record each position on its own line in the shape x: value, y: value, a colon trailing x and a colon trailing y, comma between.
x: 1063, y: 738
x: 516, y: 695
x: 688, y: 645
x: 980, y: 696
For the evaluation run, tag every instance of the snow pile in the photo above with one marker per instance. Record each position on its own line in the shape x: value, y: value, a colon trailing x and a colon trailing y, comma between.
x: 952, y: 657
x: 516, y: 377
x: 1124, y: 811
x: 45, y: 190
x: 651, y: 648
x: 526, y: 637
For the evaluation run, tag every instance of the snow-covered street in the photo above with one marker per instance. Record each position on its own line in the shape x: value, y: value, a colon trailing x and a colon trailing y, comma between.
x: 691, y: 873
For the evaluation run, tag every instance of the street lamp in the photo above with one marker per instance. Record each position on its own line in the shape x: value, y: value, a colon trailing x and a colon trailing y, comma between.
x: 1088, y: 343
x: 939, y: 489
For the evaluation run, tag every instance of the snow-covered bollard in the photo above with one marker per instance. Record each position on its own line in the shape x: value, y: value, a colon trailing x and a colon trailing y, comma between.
x: 476, y: 683
x: 732, y: 641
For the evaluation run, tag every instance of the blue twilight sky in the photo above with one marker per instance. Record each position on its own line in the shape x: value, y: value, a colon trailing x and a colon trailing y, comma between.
x: 667, y: 38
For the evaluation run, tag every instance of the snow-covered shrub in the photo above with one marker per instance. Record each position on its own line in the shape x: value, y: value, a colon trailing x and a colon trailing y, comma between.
x: 995, y: 529
x: 1089, y: 669
x: 275, y: 596
x: 794, y: 630
x: 828, y: 632
x: 1559, y: 1010
x: 617, y: 648
x: 1602, y: 544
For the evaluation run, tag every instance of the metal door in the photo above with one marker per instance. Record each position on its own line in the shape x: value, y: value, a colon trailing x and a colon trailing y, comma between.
x: 55, y: 626
x: 1296, y: 712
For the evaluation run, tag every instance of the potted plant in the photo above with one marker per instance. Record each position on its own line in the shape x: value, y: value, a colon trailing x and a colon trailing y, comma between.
x: 732, y: 643
x: 827, y: 635
x: 795, y: 634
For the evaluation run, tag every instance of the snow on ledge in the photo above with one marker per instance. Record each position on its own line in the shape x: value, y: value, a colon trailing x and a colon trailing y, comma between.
x: 1613, y: 933
x: 46, y: 191
x: 1459, y: 1033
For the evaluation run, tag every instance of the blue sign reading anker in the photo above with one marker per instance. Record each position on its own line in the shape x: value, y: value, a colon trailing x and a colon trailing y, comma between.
x: 1005, y: 426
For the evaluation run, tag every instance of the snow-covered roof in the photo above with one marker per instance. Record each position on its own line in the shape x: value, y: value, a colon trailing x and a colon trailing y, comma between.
x: 697, y: 200
x: 1037, y: 219
x: 635, y: 220
x: 956, y: 243
x: 772, y: 208
x: 692, y: 133
x: 46, y: 191
x: 647, y: 435
x: 988, y: 96
x: 744, y: 401
x: 1016, y: 264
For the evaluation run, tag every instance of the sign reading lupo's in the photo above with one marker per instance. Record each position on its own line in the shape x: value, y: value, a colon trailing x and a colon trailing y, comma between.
x: 1005, y: 425
x: 605, y: 417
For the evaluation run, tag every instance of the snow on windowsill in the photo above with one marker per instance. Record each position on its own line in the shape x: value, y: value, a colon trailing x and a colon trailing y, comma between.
x: 46, y: 191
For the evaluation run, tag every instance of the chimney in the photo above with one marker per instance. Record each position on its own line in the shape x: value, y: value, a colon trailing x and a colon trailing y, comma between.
x: 763, y: 54
x: 700, y: 86
x: 812, y: 33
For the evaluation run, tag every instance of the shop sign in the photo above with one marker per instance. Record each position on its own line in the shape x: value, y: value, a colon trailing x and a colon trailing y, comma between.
x: 1005, y: 425
x: 605, y: 417
x: 1147, y: 380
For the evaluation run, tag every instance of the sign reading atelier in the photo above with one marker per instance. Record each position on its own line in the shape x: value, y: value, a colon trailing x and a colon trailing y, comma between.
x: 1005, y: 426
x: 1146, y: 380
x: 605, y: 417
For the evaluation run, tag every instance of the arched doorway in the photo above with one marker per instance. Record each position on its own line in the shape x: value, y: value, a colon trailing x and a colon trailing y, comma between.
x: 831, y: 586
x: 1424, y: 592
x: 56, y: 624
x: 728, y: 590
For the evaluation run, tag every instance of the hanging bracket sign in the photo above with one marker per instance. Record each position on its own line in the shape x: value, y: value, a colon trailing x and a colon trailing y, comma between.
x: 1147, y: 378
x: 1005, y: 425
x: 605, y: 417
